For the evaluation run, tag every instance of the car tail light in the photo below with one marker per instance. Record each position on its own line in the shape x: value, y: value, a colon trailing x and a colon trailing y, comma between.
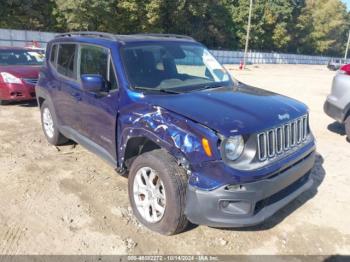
x: 345, y: 69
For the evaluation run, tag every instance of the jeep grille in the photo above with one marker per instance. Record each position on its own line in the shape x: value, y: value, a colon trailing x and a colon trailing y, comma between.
x: 277, y: 141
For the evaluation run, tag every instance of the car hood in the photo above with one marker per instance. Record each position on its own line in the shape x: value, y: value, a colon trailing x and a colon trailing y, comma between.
x: 22, y: 71
x: 240, y: 110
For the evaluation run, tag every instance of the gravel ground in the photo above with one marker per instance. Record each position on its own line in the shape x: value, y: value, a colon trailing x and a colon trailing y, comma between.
x: 65, y: 200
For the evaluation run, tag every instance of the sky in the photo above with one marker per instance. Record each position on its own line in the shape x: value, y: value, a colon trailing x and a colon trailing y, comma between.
x: 347, y: 2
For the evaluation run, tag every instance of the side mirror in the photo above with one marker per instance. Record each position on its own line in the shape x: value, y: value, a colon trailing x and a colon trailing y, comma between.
x: 92, y: 83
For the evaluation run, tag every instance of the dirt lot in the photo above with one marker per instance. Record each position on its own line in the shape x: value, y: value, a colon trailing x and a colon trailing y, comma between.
x: 67, y: 201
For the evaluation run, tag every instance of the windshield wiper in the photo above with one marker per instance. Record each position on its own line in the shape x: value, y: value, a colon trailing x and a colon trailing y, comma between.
x: 163, y: 90
x: 204, y: 87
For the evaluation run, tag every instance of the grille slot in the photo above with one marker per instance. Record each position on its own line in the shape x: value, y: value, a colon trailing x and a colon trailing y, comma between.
x: 279, y: 140
x: 30, y: 81
x: 282, y: 138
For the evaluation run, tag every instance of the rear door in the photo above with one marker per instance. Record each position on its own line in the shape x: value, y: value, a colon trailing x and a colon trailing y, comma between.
x: 69, y: 93
x: 98, y: 111
x: 52, y: 81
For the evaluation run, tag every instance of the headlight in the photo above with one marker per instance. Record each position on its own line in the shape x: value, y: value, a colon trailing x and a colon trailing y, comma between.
x: 233, y: 147
x: 10, y: 79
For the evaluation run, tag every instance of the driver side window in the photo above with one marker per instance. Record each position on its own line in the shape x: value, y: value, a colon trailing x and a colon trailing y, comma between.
x: 93, y: 60
x: 96, y: 60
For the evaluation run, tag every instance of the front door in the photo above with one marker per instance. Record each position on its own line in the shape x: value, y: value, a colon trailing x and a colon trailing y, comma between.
x: 98, y: 111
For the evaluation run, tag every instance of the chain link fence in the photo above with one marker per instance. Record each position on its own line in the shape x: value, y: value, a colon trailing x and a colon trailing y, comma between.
x: 9, y: 37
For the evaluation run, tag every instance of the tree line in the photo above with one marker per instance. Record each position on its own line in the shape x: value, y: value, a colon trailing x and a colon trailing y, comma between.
x: 293, y: 26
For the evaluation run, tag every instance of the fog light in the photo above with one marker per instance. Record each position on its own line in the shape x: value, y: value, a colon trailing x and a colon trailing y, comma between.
x: 236, y: 188
x: 236, y: 207
x: 224, y: 203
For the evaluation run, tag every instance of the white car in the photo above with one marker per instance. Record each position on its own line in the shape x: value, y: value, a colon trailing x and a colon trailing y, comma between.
x: 337, y: 105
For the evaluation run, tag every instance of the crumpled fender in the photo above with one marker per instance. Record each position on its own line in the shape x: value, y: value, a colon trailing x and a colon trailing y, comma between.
x: 180, y: 136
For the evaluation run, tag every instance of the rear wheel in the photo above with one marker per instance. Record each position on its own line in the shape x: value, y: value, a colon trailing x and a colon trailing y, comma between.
x: 157, y: 190
x: 347, y: 127
x: 49, y: 125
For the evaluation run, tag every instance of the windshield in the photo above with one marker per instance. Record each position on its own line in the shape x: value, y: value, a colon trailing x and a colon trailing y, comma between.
x: 21, y: 57
x: 181, y: 67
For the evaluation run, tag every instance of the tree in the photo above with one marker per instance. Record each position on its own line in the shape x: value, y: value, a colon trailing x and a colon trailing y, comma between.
x: 207, y: 21
x: 28, y: 15
x: 271, y: 23
x: 322, y: 27
x: 299, y: 26
x: 84, y: 14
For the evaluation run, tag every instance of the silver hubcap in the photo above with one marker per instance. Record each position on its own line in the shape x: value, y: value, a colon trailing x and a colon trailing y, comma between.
x: 48, y: 123
x: 149, y: 194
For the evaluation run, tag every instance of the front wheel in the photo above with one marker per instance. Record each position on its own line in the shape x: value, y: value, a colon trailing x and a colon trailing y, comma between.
x: 157, y: 190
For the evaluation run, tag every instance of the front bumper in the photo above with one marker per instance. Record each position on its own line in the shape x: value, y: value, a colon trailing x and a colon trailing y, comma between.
x: 251, y: 203
x: 334, y: 112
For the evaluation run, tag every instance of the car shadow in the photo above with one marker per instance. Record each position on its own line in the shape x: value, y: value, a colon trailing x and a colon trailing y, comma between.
x: 31, y: 103
x: 70, y: 143
x: 337, y: 128
x: 318, y: 174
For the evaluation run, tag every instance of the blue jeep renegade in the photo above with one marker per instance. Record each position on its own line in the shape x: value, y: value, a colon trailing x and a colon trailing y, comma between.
x: 195, y: 144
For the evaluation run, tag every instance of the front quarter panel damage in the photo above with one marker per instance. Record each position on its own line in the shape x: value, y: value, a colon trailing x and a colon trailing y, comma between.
x: 180, y: 136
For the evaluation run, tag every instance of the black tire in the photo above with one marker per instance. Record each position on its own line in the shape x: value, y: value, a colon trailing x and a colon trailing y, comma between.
x: 57, y: 138
x: 3, y: 102
x: 174, y: 179
x: 347, y: 127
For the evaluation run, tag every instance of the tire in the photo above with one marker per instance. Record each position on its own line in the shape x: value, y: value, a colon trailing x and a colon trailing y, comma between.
x: 52, y: 133
x: 3, y: 102
x: 173, y: 180
x: 347, y: 127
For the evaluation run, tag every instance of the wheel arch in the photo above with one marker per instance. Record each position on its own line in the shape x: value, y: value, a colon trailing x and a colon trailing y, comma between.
x: 346, y: 111
x: 136, y: 146
x: 41, y: 100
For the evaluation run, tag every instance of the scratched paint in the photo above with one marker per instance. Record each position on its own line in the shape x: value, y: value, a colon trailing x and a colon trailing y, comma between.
x: 176, y: 134
x: 159, y: 122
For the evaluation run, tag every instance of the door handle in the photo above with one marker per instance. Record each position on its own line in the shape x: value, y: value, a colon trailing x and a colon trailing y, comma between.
x: 51, y: 85
x: 76, y: 95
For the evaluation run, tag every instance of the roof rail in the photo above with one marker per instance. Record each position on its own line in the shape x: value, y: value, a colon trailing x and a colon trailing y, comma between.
x: 166, y: 35
x: 88, y: 33
x: 118, y: 37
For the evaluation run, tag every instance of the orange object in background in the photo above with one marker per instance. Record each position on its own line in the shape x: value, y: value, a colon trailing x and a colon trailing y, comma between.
x: 33, y: 44
x: 241, y: 65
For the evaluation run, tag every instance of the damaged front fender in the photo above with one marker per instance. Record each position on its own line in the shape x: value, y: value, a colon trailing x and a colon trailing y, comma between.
x: 180, y: 136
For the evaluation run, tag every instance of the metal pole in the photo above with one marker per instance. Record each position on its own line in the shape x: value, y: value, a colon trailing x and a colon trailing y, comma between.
x: 248, y: 31
x: 347, y: 47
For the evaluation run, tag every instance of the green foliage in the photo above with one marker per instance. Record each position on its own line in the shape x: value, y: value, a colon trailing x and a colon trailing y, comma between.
x: 27, y: 15
x: 327, y: 25
x: 299, y: 26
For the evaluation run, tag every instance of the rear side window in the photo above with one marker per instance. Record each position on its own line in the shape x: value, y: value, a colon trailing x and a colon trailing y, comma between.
x: 66, y: 64
x: 53, y: 54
